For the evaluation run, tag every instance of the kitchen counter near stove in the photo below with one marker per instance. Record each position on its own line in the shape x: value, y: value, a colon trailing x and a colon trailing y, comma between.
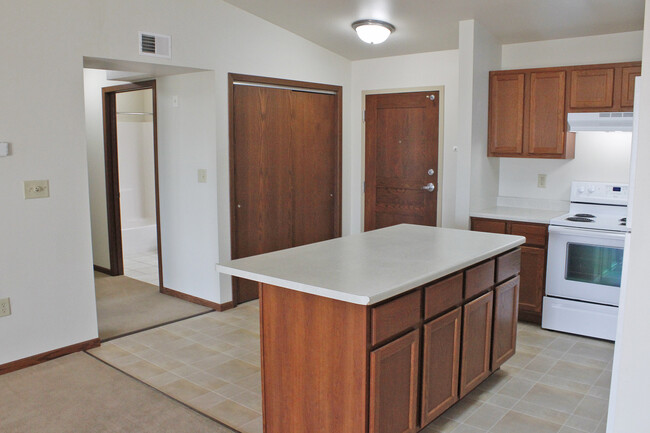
x: 529, y: 215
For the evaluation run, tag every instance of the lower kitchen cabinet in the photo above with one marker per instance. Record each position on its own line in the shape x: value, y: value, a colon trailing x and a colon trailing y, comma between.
x: 533, y: 262
x: 505, y: 322
x: 394, y: 385
x: 477, y: 340
x: 440, y: 364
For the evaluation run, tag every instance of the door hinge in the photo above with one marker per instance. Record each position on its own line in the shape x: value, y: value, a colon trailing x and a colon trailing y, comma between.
x: 364, y: 115
x: 364, y: 186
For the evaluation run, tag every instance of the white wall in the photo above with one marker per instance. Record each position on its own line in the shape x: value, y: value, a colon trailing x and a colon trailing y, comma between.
x: 399, y: 73
x: 480, y: 53
x: 47, y: 268
x: 599, y: 157
x: 628, y: 404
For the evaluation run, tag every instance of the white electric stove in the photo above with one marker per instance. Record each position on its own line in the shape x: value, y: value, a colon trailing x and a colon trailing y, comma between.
x: 585, y: 261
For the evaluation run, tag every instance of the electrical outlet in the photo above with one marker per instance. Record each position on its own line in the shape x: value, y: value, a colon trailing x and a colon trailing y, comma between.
x: 541, y: 181
x: 5, y: 307
x: 37, y: 189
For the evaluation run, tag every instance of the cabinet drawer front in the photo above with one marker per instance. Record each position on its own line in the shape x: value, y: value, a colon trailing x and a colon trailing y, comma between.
x: 443, y: 295
x: 490, y: 226
x: 534, y: 234
x: 479, y: 279
x: 395, y: 316
x: 508, y: 265
x: 394, y: 375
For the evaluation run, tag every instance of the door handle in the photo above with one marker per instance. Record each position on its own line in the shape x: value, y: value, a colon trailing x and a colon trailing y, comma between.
x: 429, y: 187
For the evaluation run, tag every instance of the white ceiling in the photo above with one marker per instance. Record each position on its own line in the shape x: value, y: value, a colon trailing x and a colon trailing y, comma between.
x: 432, y: 25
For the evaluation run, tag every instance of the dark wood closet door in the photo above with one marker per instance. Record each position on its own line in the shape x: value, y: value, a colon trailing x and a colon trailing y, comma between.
x: 315, y: 155
x: 284, y: 171
x: 401, y: 158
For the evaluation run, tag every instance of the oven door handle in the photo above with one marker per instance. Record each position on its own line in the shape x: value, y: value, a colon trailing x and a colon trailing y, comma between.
x: 602, y: 234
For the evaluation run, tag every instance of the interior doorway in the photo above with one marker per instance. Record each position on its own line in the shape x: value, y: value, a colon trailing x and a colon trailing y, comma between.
x: 401, y: 159
x: 285, y: 167
x: 130, y: 155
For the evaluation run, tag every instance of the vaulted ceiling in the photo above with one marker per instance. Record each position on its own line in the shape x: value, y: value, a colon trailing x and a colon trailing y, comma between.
x: 432, y: 25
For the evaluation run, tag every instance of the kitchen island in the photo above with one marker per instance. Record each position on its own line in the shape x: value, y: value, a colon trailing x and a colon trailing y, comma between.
x: 381, y: 331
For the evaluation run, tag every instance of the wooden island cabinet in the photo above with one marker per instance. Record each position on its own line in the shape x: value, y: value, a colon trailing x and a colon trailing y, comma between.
x: 436, y: 315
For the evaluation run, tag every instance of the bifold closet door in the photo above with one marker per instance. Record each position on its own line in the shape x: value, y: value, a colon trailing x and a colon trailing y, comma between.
x: 285, y: 179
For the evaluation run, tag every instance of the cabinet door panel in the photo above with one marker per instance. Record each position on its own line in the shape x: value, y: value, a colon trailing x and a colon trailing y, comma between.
x: 394, y: 385
x: 627, y: 91
x: 504, y: 336
x: 547, y: 119
x: 533, y: 269
x: 592, y: 88
x: 440, y: 364
x: 477, y: 338
x: 506, y: 114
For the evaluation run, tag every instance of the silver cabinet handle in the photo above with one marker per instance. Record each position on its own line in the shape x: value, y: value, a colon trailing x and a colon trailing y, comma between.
x: 429, y: 187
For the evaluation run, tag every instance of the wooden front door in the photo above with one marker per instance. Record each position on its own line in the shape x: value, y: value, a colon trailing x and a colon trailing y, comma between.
x: 401, y: 159
x: 285, y: 171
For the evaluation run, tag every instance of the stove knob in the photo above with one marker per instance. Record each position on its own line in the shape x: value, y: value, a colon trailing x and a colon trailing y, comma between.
x: 592, y: 189
x: 581, y: 189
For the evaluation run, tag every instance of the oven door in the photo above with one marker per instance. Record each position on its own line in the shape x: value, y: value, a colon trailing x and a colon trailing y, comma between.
x: 584, y: 264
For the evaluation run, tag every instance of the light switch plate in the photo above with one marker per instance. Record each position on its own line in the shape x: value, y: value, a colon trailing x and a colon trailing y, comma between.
x: 4, y: 149
x: 37, y: 189
x: 203, y: 175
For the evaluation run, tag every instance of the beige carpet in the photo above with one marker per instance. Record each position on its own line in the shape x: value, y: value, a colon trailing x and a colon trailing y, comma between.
x: 78, y: 393
x: 125, y: 305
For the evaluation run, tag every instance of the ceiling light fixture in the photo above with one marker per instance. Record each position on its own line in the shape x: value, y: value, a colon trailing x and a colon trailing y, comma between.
x: 373, y: 31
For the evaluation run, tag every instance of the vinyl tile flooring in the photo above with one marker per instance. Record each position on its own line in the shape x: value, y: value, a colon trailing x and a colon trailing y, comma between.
x: 142, y: 266
x: 556, y: 383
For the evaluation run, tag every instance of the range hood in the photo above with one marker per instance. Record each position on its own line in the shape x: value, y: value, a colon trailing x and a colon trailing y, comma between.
x: 600, y: 122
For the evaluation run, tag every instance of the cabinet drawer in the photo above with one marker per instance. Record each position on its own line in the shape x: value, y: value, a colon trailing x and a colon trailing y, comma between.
x: 443, y: 295
x: 490, y: 226
x: 479, y: 279
x: 508, y: 265
x: 395, y: 316
x: 534, y: 234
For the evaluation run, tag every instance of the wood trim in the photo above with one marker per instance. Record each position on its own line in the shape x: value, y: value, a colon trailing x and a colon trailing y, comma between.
x: 195, y: 300
x: 102, y: 269
x: 112, y: 174
x: 47, y: 356
x: 338, y: 90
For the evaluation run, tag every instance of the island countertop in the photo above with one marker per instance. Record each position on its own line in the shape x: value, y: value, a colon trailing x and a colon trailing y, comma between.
x: 373, y: 266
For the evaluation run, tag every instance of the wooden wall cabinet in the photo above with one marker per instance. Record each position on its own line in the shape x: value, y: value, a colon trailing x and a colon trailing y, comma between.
x: 528, y: 107
x: 533, y: 262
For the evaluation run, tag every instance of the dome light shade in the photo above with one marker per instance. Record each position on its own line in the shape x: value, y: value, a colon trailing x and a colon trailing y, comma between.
x: 373, y: 31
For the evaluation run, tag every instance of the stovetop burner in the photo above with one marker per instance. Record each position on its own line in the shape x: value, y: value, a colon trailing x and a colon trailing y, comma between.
x: 579, y: 219
x: 585, y: 215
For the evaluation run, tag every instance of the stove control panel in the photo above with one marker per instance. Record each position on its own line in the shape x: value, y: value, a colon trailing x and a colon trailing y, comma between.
x: 599, y: 193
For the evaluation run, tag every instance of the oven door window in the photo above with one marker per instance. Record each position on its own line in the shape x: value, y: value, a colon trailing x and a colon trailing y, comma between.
x: 594, y: 264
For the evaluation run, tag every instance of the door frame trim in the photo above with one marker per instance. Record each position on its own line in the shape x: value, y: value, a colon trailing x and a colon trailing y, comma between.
x: 111, y: 165
x: 266, y: 82
x: 441, y: 131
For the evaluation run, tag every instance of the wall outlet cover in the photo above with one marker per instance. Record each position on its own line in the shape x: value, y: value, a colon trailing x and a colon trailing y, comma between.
x: 541, y: 181
x: 4, y: 148
x: 5, y: 307
x: 203, y: 175
x: 37, y: 189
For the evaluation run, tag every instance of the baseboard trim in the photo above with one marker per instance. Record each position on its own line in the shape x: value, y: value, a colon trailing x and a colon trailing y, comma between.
x: 102, y: 269
x: 47, y: 356
x: 195, y: 300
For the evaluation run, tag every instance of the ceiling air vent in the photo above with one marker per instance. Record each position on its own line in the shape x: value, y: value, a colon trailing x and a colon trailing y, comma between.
x: 152, y: 44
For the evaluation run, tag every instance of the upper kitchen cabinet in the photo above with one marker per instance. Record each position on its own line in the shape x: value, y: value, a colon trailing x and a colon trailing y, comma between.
x: 527, y: 116
x: 602, y: 87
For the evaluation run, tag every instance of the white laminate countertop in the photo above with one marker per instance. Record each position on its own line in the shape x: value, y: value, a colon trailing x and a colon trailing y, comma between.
x: 373, y: 266
x: 541, y: 216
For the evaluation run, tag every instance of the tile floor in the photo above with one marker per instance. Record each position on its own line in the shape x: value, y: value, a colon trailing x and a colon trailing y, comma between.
x: 142, y: 266
x: 556, y: 383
